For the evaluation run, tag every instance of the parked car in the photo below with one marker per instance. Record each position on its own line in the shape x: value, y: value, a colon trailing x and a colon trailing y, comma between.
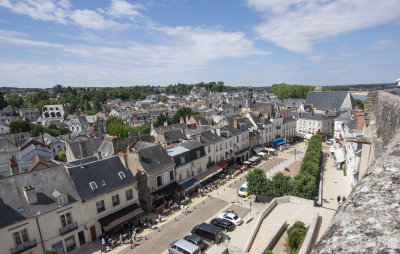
x: 223, y: 223
x: 208, y: 232
x: 242, y: 191
x: 183, y: 247
x: 232, y: 217
x: 330, y: 141
x: 196, y: 240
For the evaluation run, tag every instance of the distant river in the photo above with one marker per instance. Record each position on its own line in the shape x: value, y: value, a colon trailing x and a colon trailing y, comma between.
x: 360, y: 97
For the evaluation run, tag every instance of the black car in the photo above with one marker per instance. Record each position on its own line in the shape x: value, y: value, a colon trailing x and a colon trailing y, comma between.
x: 208, y: 232
x: 223, y: 223
x: 196, y: 240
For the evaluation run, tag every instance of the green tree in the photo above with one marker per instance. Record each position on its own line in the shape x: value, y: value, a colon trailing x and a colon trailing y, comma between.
x: 183, y: 112
x: 96, y: 105
x: 36, y: 129
x: 296, y: 236
x: 3, y: 102
x: 256, y: 182
x: 279, y: 186
x: 360, y: 104
x: 73, y: 106
x: 161, y: 119
x: 15, y: 100
x: 62, y: 157
x: 304, y: 186
x: 19, y: 126
x: 34, y: 98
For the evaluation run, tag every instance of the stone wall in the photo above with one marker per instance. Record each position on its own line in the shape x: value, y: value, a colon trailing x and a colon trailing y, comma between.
x: 369, y: 221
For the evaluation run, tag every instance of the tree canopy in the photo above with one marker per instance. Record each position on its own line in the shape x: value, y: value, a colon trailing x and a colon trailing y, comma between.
x: 15, y: 100
x: 285, y: 91
x: 183, y: 112
x: 19, y: 126
x: 116, y: 127
x: 3, y: 102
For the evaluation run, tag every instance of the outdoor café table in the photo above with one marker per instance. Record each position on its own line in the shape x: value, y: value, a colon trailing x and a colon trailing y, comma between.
x: 160, y: 208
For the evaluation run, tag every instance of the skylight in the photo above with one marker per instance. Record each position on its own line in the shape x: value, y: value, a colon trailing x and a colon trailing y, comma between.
x: 93, y: 185
x: 121, y: 175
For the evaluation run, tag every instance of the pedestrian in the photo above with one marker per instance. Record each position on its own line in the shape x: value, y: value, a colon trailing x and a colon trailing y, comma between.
x: 338, y: 199
x: 159, y: 217
x: 120, y: 239
x: 343, y: 199
x: 103, y: 244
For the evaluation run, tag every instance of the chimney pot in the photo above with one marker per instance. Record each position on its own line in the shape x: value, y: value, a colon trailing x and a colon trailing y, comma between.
x: 30, y: 194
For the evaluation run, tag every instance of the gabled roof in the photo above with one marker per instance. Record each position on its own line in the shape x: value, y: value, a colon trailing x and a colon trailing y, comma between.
x: 209, y: 137
x: 263, y: 107
x: 153, y: 157
x: 91, y: 146
x: 339, y: 101
x: 39, y: 162
x: 232, y: 130
x: 188, y: 150
x: 170, y: 127
x: 174, y: 136
x: 345, y: 117
x: 45, y: 182
x: 104, y: 173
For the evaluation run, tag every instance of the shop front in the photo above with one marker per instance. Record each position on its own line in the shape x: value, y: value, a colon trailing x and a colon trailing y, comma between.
x: 120, y: 217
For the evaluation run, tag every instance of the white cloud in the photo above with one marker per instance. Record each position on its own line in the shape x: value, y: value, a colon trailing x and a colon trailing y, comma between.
x: 382, y: 44
x: 121, y: 8
x: 92, y: 20
x: 297, y: 25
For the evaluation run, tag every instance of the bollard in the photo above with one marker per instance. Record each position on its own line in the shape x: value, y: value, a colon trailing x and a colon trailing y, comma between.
x: 217, y: 193
x: 158, y: 228
x: 203, y: 202
x: 176, y: 219
x: 145, y: 237
x: 195, y: 207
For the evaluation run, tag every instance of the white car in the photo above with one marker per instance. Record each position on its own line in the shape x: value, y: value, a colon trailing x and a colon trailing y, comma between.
x: 232, y: 217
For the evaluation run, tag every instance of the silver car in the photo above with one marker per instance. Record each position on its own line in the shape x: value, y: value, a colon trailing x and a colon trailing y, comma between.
x: 183, y: 247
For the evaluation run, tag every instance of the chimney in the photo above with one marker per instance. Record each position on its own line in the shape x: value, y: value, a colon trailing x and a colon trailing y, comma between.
x: 41, y: 135
x: 181, y: 120
x: 182, y: 130
x: 30, y: 194
x: 211, y: 121
x: 82, y: 146
x: 198, y: 138
x: 166, y: 123
x: 152, y: 125
x: 360, y: 121
x: 235, y: 123
x: 13, y: 165
x: 124, y: 158
x: 98, y: 155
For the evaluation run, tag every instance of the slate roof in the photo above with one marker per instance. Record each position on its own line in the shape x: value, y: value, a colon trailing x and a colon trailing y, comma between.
x: 30, y: 151
x: 79, y: 161
x: 45, y: 182
x: 188, y: 150
x: 315, y: 117
x: 340, y: 101
x: 263, y: 107
x: 170, y: 127
x: 200, y: 120
x: 91, y: 146
x: 345, y: 117
x: 209, y: 137
x: 174, y: 136
x: 104, y: 172
x: 232, y: 130
x: 39, y: 162
x: 287, y: 119
x: 153, y: 157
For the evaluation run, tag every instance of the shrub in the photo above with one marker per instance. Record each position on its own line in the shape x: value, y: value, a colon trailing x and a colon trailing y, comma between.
x: 296, y: 235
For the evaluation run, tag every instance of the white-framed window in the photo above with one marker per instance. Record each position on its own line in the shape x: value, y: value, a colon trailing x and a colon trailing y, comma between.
x: 121, y: 175
x: 62, y: 200
x: 100, y: 206
x: 198, y: 153
x: 93, y: 185
x: 129, y: 194
x: 182, y: 159
x: 66, y: 219
x: 115, y: 200
x: 21, y: 237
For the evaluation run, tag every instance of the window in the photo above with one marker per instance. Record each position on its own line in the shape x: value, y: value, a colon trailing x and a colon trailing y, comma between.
x: 121, y: 175
x: 62, y: 200
x: 93, y: 185
x: 100, y: 206
x: 171, y: 175
x: 129, y: 194
x: 237, y: 139
x: 226, y: 145
x: 115, y: 200
x: 157, y: 161
x: 159, y: 181
x: 182, y: 159
x: 70, y: 243
x: 66, y: 219
x: 198, y: 153
x: 220, y: 146
x: 21, y: 237
x: 180, y: 177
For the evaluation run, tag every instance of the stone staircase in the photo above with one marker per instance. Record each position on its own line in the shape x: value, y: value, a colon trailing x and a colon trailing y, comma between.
x: 264, y: 233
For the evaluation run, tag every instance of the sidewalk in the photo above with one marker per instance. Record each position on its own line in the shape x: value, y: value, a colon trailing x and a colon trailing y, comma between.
x: 334, y: 183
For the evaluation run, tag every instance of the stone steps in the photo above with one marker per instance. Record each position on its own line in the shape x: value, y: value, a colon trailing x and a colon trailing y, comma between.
x: 264, y: 233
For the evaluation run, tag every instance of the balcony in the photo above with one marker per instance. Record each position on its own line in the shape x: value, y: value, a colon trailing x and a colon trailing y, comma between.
x: 24, y: 247
x: 69, y: 228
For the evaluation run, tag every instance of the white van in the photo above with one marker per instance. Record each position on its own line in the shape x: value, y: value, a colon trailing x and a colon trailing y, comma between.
x: 242, y: 191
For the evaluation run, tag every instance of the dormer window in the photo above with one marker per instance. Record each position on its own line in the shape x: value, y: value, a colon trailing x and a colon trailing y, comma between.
x: 93, y: 185
x: 157, y: 161
x: 121, y: 175
x: 182, y: 159
x: 21, y: 210
x: 62, y: 200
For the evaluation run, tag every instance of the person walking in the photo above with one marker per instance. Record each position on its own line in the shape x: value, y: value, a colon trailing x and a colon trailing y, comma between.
x: 159, y: 217
x: 343, y: 199
x: 338, y: 199
x: 103, y: 245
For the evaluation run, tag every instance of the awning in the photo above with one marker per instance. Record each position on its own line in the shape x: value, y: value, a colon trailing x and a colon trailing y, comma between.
x: 339, y: 155
x: 167, y: 189
x: 246, y: 162
x: 261, y: 153
x: 222, y: 164
x: 189, y: 184
x: 118, y: 217
x: 300, y: 135
x: 332, y: 149
x: 214, y: 169
x: 279, y: 142
x: 270, y: 149
x: 241, y: 154
x: 253, y: 159
x: 308, y: 136
x: 258, y: 149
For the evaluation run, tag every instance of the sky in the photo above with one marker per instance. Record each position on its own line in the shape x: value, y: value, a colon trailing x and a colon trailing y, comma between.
x: 160, y: 42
